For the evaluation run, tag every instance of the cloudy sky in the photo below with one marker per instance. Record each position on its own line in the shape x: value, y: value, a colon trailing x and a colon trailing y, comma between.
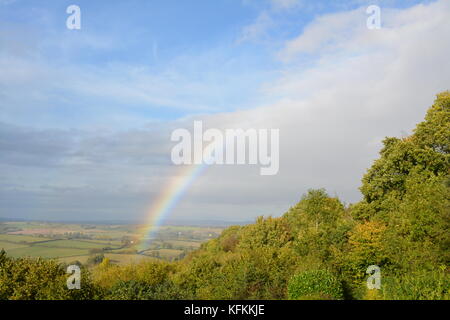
x: 86, y: 115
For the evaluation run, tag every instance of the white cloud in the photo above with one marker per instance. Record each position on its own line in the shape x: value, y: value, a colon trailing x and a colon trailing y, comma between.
x: 285, y: 4
x: 329, y: 31
x: 333, y: 113
x: 257, y: 30
x: 359, y: 86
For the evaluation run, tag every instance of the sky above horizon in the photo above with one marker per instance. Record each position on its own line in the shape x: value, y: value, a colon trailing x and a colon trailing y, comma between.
x: 86, y: 115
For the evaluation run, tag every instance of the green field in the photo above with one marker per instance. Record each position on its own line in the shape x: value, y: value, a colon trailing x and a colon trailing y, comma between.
x: 166, y: 254
x: 185, y: 244
x: 114, y: 258
x: 21, y: 238
x: 80, y: 242
x: 45, y: 252
x: 10, y: 245
x: 76, y: 244
x: 126, y: 258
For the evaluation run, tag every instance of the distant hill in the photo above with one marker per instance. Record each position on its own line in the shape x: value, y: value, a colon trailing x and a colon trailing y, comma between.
x: 170, y: 222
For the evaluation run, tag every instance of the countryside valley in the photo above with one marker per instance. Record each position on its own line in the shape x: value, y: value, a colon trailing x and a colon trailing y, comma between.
x: 89, y: 244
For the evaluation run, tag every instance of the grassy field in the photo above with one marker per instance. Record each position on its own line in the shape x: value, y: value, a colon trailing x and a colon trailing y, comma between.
x: 45, y: 252
x: 165, y: 254
x: 127, y: 258
x: 185, y: 243
x: 21, y: 239
x: 114, y: 258
x: 11, y: 245
x: 76, y: 244
x: 80, y: 242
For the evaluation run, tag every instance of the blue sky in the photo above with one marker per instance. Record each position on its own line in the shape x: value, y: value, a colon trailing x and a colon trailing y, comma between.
x: 86, y: 115
x: 190, y: 56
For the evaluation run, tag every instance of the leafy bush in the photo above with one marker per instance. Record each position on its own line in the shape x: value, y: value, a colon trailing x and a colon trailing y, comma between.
x: 95, y: 259
x: 315, y: 285
x: 40, y: 279
x: 140, y: 290
x: 129, y: 290
x: 422, y: 285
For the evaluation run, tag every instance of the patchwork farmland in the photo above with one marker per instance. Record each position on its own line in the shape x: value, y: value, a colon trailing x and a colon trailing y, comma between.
x: 90, y: 243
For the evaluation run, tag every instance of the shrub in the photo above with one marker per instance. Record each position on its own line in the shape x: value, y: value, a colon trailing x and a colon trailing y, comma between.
x: 140, y: 290
x: 40, y: 279
x: 129, y: 290
x: 423, y: 285
x: 95, y: 259
x: 315, y: 285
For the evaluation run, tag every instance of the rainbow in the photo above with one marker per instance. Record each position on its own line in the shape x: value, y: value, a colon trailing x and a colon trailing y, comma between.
x: 167, y: 200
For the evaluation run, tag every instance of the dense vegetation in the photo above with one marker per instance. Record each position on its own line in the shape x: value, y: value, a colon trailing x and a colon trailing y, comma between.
x: 319, y: 249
